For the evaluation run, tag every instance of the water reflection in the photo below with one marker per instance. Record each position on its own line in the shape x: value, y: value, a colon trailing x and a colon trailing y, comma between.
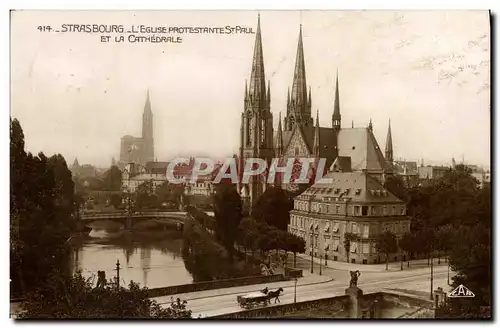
x: 151, y: 264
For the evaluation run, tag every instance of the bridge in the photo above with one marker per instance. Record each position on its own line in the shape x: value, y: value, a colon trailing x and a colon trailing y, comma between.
x: 128, y: 219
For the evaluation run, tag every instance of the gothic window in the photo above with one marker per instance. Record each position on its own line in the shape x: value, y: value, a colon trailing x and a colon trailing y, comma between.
x: 263, y: 131
x: 248, y: 132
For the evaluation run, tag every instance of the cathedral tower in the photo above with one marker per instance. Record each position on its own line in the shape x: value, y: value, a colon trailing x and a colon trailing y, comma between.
x: 147, y: 131
x: 256, y: 121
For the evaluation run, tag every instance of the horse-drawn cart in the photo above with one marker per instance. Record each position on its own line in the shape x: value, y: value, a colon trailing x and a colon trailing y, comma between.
x: 256, y: 298
x: 249, y: 300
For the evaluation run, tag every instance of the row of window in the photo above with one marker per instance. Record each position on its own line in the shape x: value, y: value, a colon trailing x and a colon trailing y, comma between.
x: 362, y: 229
x: 357, y: 210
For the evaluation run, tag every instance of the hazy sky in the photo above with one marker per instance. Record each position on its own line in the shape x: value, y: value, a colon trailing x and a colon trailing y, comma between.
x: 427, y: 71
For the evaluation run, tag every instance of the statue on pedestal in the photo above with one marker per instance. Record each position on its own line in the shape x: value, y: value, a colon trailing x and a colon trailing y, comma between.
x: 354, y: 278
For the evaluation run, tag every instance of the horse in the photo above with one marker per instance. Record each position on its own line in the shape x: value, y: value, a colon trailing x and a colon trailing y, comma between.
x: 274, y: 294
x: 264, y: 291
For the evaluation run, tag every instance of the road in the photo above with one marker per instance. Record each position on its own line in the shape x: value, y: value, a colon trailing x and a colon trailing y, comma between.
x: 223, y: 301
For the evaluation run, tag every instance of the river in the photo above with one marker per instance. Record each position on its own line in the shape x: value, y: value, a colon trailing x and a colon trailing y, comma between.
x: 151, y: 264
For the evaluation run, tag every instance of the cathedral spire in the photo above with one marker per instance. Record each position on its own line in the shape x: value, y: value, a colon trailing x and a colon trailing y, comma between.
x: 147, y: 106
x: 388, y: 145
x: 370, y: 125
x: 299, y: 85
x: 257, y: 89
x: 268, y: 97
x: 316, y: 136
x: 336, y: 118
x: 279, y: 137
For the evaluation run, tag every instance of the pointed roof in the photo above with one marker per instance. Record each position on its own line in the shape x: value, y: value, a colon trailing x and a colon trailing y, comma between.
x: 336, y: 104
x: 299, y: 85
x: 317, y: 118
x: 257, y: 89
x: 360, y: 144
x: 279, y: 136
x: 388, y: 143
x: 75, y: 163
x: 147, y: 106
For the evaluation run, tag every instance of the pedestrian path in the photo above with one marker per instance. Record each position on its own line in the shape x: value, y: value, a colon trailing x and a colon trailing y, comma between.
x: 307, y: 279
x: 393, y: 266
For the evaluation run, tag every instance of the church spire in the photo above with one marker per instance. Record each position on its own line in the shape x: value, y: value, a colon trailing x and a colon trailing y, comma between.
x: 257, y: 89
x: 370, y: 125
x: 336, y: 118
x: 279, y: 137
x: 316, y: 135
x: 388, y: 145
x: 268, y: 96
x: 299, y: 85
x: 147, y: 106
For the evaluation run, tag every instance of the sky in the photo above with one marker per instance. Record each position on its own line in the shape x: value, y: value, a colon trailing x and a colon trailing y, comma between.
x: 426, y: 71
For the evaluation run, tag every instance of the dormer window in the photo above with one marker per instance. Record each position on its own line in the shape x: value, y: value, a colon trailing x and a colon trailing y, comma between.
x: 384, y: 192
x: 372, y: 192
x: 358, y: 191
x: 346, y: 192
x: 337, y: 190
x: 378, y: 192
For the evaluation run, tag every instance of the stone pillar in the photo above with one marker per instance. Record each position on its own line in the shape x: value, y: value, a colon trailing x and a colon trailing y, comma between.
x: 355, y: 295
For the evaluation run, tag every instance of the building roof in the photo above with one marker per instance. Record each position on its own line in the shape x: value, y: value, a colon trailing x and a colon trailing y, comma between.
x: 157, y: 167
x: 148, y: 177
x: 361, y: 146
x: 341, y: 164
x: 358, y: 186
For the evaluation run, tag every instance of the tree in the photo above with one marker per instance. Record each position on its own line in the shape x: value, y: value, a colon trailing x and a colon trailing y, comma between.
x: 443, y: 240
x: 386, y: 243
x: 273, y: 207
x: 348, y: 238
x: 297, y: 245
x: 75, y: 298
x: 42, y: 214
x: 407, y: 243
x: 396, y: 186
x: 113, y: 178
x: 228, y: 214
x: 116, y: 200
x: 247, y: 232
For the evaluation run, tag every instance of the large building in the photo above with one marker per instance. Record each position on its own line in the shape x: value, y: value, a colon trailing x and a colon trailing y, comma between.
x: 354, y: 202
x: 298, y: 136
x: 139, y: 150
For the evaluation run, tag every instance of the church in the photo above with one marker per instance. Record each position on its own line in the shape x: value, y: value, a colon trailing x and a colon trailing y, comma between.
x: 355, y: 200
x: 139, y: 150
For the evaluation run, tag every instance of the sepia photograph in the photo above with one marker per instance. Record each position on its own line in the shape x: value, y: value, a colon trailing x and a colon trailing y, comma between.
x: 250, y: 164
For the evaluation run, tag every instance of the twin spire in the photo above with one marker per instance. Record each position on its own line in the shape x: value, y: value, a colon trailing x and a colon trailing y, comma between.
x: 299, y: 86
x: 257, y: 89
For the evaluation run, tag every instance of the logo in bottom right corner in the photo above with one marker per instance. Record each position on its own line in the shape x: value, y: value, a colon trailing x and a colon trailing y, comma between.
x: 461, y: 291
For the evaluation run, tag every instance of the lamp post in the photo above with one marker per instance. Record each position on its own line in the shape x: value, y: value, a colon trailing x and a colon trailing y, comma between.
x: 320, y: 259
x: 312, y: 250
x: 448, y: 272
x: 295, y: 291
x: 432, y: 276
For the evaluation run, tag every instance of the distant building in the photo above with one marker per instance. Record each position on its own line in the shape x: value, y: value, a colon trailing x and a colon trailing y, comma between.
x: 139, y: 150
x: 481, y: 174
x: 429, y: 172
x: 134, y: 175
x: 83, y: 171
x: 408, y: 171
